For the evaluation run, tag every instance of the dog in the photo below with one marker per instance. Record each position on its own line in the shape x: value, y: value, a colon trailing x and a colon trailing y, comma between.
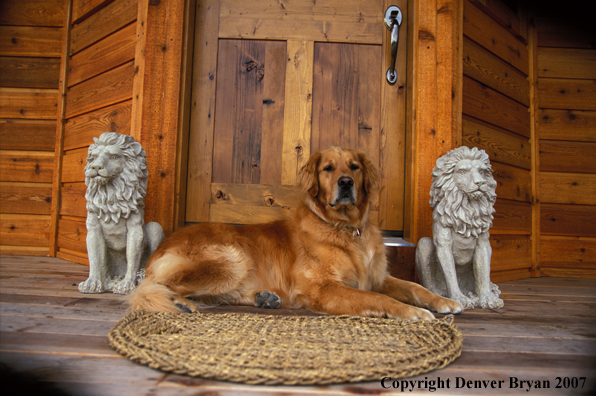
x: 328, y: 257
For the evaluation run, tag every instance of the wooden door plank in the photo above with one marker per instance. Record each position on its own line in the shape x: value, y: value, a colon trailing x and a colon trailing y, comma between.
x: 202, y: 118
x: 103, y: 23
x: 567, y: 188
x: 31, y: 198
x: 574, y: 125
x: 297, y: 128
x: 112, y: 51
x: 27, y: 135
x: 500, y: 145
x: 22, y: 166
x: 79, y: 131
x: 22, y: 103
x: 107, y: 89
x: 42, y: 42
x: 566, y: 94
x: 25, y: 72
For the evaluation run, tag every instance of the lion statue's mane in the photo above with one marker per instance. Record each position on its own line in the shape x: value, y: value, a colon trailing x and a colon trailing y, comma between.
x: 451, y: 206
x: 124, y: 193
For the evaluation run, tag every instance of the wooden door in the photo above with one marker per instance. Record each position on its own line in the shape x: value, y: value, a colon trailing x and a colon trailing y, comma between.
x: 273, y: 82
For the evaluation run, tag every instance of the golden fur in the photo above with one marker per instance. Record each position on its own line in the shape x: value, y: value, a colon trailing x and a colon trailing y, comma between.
x: 327, y: 258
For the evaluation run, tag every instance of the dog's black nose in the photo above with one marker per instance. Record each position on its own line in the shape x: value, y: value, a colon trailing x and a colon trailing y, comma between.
x: 345, y: 182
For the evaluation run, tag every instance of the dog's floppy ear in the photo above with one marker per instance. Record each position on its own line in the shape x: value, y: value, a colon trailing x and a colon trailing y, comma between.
x: 370, y: 172
x: 308, y: 178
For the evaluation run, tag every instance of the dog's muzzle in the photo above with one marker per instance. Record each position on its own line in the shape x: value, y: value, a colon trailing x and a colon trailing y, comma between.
x: 345, y: 192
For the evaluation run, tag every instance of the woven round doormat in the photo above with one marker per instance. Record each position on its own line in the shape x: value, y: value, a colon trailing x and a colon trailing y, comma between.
x: 286, y: 350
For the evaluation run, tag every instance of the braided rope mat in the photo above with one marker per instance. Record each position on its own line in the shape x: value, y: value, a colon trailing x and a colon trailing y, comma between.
x: 286, y: 350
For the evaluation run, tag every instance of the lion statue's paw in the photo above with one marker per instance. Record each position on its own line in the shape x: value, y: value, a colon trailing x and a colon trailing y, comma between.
x: 489, y: 300
x: 92, y: 286
x: 124, y: 287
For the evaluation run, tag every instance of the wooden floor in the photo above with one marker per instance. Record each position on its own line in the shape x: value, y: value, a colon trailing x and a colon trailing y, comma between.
x: 49, y: 330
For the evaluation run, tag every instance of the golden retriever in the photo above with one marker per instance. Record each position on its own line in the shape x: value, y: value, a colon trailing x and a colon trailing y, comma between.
x: 327, y: 258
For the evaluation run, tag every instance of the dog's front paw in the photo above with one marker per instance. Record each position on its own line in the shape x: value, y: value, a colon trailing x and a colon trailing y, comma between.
x: 414, y: 313
x: 267, y: 300
x: 92, y: 285
x: 447, y: 306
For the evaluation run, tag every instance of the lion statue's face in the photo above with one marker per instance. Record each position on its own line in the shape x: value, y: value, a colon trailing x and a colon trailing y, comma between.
x: 463, y: 191
x: 116, y: 177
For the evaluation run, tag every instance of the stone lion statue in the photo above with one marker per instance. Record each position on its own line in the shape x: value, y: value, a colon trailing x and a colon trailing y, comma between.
x: 455, y: 262
x: 118, y: 242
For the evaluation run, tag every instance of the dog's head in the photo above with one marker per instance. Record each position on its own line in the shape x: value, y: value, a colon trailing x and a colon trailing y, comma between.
x: 339, y: 180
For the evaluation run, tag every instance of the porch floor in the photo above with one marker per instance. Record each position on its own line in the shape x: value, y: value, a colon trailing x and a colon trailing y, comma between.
x: 50, y: 331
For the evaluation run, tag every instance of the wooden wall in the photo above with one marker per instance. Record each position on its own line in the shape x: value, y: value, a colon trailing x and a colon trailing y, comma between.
x: 566, y: 88
x: 496, y: 118
x: 30, y: 37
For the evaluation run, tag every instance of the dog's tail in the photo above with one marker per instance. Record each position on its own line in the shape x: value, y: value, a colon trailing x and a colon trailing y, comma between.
x: 152, y: 297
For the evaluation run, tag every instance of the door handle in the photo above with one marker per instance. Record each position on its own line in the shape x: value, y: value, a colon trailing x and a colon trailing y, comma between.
x: 393, y: 19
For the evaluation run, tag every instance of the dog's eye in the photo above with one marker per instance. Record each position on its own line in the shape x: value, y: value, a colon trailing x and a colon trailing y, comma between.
x: 328, y: 168
x: 354, y: 167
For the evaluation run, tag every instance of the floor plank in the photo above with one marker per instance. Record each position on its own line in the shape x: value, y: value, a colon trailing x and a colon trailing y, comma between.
x: 51, y: 333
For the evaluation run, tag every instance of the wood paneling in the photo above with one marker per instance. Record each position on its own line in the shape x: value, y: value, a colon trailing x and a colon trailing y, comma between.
x: 82, y: 8
x: 20, y: 72
x: 568, y: 253
x: 570, y: 157
x: 491, y: 71
x: 104, y: 55
x: 24, y: 230
x: 32, y: 12
x: 568, y: 125
x: 512, y: 183
x: 22, y: 166
x: 27, y: 135
x: 500, y: 145
x: 568, y: 188
x: 73, y: 165
x: 566, y: 94
x: 72, y: 235
x: 72, y: 200
x: 567, y: 63
x: 487, y: 32
x: 43, y: 42
x: 564, y: 32
x: 484, y: 103
x: 28, y: 103
x: 509, y: 253
x: 21, y: 198
x: 512, y: 217
x: 104, y: 90
x: 572, y: 220
x: 102, y: 23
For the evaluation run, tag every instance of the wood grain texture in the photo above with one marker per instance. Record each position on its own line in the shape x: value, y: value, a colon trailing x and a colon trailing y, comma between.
x: 500, y: 145
x: 32, y: 12
x: 72, y: 235
x: 566, y: 94
x: 72, y: 200
x: 490, y: 70
x: 565, y: 32
x: 573, y: 253
x: 82, y: 8
x: 509, y: 253
x: 43, y: 42
x: 570, y: 220
x: 23, y: 103
x: 23, y: 166
x: 79, y: 131
x: 569, y: 157
x: 487, y: 32
x: 568, y: 188
x: 27, y: 135
x: 101, y: 24
x: 73, y: 165
x: 512, y: 218
x: 298, y: 109
x: 512, y: 183
x: 574, y: 125
x: 24, y: 230
x: 486, y: 104
x: 25, y: 198
x: 567, y: 63
x: 114, y: 50
x: 104, y: 90
x: 25, y: 72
